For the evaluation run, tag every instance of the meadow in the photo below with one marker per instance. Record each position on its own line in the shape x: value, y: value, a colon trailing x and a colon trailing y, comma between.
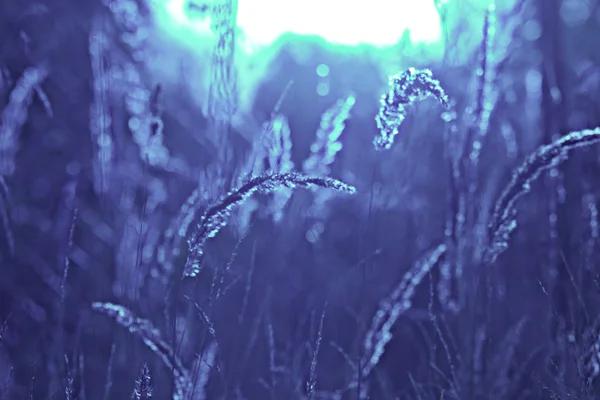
x: 189, y: 214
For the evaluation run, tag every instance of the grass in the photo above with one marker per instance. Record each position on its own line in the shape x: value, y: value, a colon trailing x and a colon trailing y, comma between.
x: 145, y: 257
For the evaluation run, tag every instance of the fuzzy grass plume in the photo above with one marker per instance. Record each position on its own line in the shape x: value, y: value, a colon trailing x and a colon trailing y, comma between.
x: 217, y: 216
x: 404, y: 89
x: 143, y: 385
x: 15, y: 114
x: 504, y: 217
x: 327, y: 143
x: 151, y: 337
x: 223, y: 94
x: 394, y: 305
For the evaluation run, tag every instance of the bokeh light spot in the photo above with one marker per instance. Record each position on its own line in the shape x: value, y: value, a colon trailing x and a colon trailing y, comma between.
x: 322, y: 70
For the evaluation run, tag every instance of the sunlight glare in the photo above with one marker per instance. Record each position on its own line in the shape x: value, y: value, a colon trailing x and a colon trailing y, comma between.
x: 378, y: 23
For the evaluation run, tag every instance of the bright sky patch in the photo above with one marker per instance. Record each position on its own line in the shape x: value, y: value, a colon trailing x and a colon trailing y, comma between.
x: 378, y: 23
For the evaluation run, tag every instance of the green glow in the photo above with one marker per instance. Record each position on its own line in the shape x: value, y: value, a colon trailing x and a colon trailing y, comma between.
x: 370, y: 30
x: 379, y: 23
x: 322, y: 70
